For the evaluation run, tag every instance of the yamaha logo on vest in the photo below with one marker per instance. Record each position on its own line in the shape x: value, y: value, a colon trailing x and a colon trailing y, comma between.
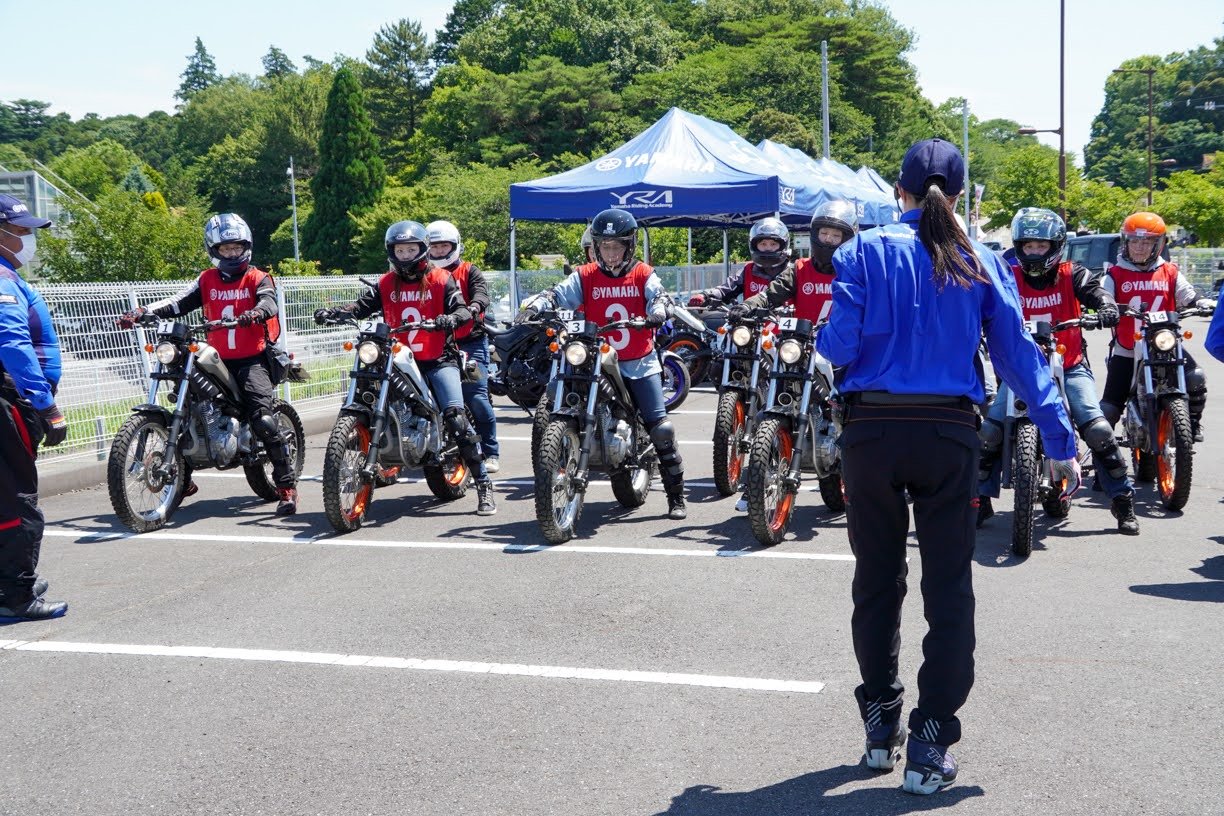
x: 411, y: 296
x: 229, y: 294
x: 811, y: 287
x: 756, y: 286
x: 613, y: 292
x: 1143, y: 286
x: 1043, y: 302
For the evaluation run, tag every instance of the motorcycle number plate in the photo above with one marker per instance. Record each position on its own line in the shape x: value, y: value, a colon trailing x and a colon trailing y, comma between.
x: 565, y: 314
x: 165, y: 326
x: 1030, y: 326
x: 1158, y: 317
x: 368, y: 326
x: 788, y: 324
x: 575, y: 326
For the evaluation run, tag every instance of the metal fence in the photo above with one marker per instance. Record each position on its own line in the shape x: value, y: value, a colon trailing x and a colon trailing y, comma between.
x: 106, y: 368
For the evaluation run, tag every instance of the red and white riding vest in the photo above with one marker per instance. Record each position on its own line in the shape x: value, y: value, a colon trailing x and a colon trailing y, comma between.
x: 1157, y: 288
x: 1054, y: 305
x: 226, y: 300
x: 606, y: 299
x: 460, y: 274
x: 404, y: 302
x: 813, y: 291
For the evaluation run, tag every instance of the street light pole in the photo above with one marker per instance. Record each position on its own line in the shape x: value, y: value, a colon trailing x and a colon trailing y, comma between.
x: 1151, y: 117
x: 1061, y: 130
x: 297, y: 255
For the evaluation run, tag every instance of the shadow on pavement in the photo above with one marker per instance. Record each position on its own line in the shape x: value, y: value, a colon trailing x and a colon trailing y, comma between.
x: 1209, y: 591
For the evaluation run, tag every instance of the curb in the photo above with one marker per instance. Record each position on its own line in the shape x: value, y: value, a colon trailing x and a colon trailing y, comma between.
x: 67, y: 476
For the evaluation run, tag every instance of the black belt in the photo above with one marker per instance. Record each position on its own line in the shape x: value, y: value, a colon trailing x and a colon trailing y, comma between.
x: 876, y: 406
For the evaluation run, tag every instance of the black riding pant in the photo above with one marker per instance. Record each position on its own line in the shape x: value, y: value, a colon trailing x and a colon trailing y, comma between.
x: 21, y: 522
x: 255, y: 381
x: 931, y: 452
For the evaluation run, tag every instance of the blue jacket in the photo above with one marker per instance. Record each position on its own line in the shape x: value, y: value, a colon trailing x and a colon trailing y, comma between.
x: 894, y: 331
x: 29, y: 349
x: 1215, y: 336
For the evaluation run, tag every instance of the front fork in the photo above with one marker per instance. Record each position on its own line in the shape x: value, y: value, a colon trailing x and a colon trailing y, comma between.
x: 370, y: 469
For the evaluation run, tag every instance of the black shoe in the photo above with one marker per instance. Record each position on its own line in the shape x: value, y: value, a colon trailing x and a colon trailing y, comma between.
x: 33, y: 610
x: 288, y: 501
x: 985, y: 510
x: 676, y: 508
x: 1123, y: 510
x: 485, y: 504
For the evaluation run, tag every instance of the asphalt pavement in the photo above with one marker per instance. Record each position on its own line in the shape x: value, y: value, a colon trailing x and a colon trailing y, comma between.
x: 437, y: 662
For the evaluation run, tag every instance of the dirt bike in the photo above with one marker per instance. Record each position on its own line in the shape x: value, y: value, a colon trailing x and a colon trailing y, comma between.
x: 1156, y: 421
x: 154, y: 452
x: 389, y: 420
x: 692, y: 333
x: 1027, y: 470
x: 799, y: 427
x: 521, y: 362
x: 739, y: 397
x: 592, y: 421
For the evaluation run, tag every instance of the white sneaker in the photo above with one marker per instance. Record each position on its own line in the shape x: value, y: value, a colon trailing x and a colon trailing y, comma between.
x: 492, y: 465
x: 741, y: 506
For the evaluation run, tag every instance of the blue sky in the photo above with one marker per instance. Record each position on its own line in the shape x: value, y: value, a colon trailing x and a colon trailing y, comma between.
x: 123, y: 56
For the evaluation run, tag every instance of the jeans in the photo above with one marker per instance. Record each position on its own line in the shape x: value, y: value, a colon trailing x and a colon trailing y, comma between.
x: 446, y: 384
x: 648, y: 394
x: 476, y: 395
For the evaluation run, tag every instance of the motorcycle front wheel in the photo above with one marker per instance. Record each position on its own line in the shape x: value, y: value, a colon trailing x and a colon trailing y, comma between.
x: 770, y: 504
x: 346, y: 496
x: 558, y: 503
x: 1024, y: 487
x: 144, y: 476
x: 730, y: 428
x: 1174, y: 454
x: 259, y: 477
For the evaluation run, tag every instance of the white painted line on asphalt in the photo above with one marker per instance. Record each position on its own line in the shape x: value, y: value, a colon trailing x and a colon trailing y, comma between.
x: 501, y: 438
x: 487, y: 546
x: 417, y: 664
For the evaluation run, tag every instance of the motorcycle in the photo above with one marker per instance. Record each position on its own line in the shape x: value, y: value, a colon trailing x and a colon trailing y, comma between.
x: 154, y: 452
x: 693, y: 334
x: 521, y: 362
x: 592, y: 421
x: 1026, y: 469
x: 1156, y: 422
x: 676, y: 380
x: 739, y: 397
x: 389, y: 420
x: 799, y: 427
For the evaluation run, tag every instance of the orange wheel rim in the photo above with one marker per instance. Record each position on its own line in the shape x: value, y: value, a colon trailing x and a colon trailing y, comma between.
x: 786, y: 503
x: 362, y: 498
x: 684, y: 343
x: 1166, y: 470
x: 457, y: 475
x: 735, y: 462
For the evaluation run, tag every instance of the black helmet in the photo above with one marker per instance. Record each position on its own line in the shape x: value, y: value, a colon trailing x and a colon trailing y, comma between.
x: 1038, y: 224
x: 227, y: 228
x: 614, y: 225
x: 408, y: 232
x: 769, y: 263
x: 838, y: 214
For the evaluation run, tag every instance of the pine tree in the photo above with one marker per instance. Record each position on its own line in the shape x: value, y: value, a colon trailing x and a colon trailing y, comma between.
x: 201, y: 72
x: 350, y: 178
x: 465, y: 16
x: 277, y: 64
x: 397, y: 85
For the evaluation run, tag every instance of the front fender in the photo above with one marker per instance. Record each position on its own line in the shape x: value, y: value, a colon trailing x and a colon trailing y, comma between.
x: 149, y: 409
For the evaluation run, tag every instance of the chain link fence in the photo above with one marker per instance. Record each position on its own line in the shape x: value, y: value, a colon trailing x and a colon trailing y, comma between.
x: 106, y: 368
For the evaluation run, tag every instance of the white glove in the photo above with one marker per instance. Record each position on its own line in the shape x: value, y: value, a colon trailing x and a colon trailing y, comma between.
x: 1206, y: 304
x: 1067, y: 470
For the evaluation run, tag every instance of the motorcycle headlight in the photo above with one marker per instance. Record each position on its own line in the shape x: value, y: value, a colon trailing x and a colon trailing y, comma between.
x: 576, y: 354
x: 165, y: 353
x: 790, y: 351
x: 367, y: 353
x: 1164, y: 340
x: 741, y: 336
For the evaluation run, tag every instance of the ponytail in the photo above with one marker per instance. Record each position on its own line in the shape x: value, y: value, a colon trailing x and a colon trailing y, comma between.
x: 952, y: 256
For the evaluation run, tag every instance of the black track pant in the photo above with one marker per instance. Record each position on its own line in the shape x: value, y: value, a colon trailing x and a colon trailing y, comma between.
x: 936, y: 461
x: 21, y: 522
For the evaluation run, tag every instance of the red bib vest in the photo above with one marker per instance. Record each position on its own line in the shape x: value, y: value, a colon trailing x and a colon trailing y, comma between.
x: 404, y: 302
x: 460, y: 274
x: 1054, y: 305
x: 606, y: 299
x: 754, y: 282
x: 813, y: 291
x: 225, y: 300
x: 1157, y: 288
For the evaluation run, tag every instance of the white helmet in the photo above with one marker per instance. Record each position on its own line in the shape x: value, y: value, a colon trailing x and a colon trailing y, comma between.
x: 444, y: 232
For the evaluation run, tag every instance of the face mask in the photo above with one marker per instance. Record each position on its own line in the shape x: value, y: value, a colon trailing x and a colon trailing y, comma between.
x: 29, y: 245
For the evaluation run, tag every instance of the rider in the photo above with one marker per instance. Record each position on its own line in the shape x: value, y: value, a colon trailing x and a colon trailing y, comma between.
x: 445, y: 248
x: 809, y: 283
x: 234, y: 289
x: 769, y: 244
x: 1052, y: 290
x: 409, y: 292
x: 1145, y: 278
x: 617, y: 286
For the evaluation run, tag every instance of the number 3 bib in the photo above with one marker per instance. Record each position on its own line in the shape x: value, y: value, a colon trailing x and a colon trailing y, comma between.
x: 606, y: 299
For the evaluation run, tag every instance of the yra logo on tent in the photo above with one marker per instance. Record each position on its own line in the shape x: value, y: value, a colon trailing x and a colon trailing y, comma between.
x: 639, y: 199
x: 787, y: 194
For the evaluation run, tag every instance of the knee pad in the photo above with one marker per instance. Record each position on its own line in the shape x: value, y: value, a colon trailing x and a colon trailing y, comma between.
x: 456, y: 422
x: 1112, y: 413
x: 663, y: 435
x: 1098, y: 435
x: 991, y: 434
x: 265, y: 426
x: 1196, y: 390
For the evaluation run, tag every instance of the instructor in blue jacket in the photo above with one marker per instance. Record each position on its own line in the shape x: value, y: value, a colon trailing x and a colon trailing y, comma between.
x: 910, y: 302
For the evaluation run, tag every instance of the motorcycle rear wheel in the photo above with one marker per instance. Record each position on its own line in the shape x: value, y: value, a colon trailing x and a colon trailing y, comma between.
x: 1024, y: 487
x: 259, y: 477
x: 631, y: 486
x: 690, y: 350
x: 770, y: 504
x: 675, y: 381
x: 557, y: 503
x: 832, y: 493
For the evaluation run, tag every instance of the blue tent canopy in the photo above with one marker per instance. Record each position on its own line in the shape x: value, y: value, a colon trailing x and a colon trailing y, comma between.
x: 682, y: 171
x: 811, y: 189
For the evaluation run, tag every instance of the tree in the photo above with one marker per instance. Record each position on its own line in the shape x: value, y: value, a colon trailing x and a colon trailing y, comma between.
x: 96, y: 169
x: 25, y: 119
x: 351, y: 174
x: 201, y: 72
x: 1027, y: 177
x: 1194, y: 202
x: 276, y: 64
x: 226, y: 108
x: 396, y: 82
x: 462, y: 18
x: 136, y: 181
x: 1101, y: 207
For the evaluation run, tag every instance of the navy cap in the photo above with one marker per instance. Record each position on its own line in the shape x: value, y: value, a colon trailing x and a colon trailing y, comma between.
x: 12, y: 211
x: 931, y: 158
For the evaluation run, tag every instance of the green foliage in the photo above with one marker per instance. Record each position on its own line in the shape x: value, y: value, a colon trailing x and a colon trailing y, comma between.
x: 395, y: 204
x: 350, y: 177
x: 289, y: 268
x: 121, y: 238
x: 396, y: 82
x: 464, y: 16
x: 225, y: 108
x: 276, y: 64
x: 94, y: 170
x: 200, y: 73
x: 1026, y: 177
x: 135, y: 181
x: 23, y: 120
x: 1195, y: 202
x: 1101, y: 207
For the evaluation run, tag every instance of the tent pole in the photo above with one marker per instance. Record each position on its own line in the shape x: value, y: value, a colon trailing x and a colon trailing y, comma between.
x: 726, y: 255
x: 690, y: 252
x: 646, y: 244
x: 824, y: 93
x: 514, y: 292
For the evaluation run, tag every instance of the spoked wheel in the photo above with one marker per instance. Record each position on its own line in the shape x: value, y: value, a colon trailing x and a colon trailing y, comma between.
x: 144, y: 476
x: 259, y: 477
x: 770, y: 504
x: 1024, y: 487
x: 1144, y: 465
x: 450, y: 480
x: 539, y: 421
x: 558, y: 503
x: 1174, y: 454
x: 689, y: 350
x: 346, y: 496
x: 631, y: 486
x: 675, y: 381
x: 730, y: 427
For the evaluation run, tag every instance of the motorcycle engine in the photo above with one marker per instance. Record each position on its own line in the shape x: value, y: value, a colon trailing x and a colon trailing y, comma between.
x: 417, y: 434
x: 220, y: 432
x: 825, y: 453
x: 617, y: 436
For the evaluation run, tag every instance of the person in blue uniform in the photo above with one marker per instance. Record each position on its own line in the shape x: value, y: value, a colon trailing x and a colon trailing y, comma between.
x: 1215, y: 336
x: 29, y: 377
x: 910, y: 303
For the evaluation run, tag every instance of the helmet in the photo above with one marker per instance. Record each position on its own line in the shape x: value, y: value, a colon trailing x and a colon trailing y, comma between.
x: 772, y: 262
x: 614, y: 225
x: 838, y: 214
x: 407, y: 232
x: 1143, y: 225
x: 1038, y: 224
x: 444, y: 232
x: 226, y: 228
